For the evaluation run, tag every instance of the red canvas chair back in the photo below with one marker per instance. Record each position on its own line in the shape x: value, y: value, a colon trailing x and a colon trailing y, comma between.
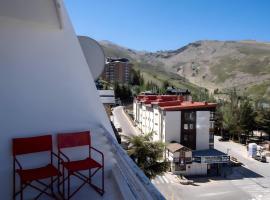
x: 67, y: 140
x: 32, y: 144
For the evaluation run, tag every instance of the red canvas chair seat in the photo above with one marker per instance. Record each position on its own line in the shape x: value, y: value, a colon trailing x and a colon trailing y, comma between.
x: 33, y: 177
x: 80, y: 165
x: 28, y: 175
x: 78, y: 168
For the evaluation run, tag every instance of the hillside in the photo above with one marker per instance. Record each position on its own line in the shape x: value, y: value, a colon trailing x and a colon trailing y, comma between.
x: 210, y: 64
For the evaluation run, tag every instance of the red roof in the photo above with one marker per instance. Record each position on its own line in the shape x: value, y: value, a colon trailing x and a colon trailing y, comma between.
x: 173, y: 102
x: 185, y: 105
x: 167, y: 103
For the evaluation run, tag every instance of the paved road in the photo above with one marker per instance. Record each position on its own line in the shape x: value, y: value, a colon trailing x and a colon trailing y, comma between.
x: 240, y: 152
x: 251, y: 182
x: 253, y: 177
x: 121, y: 119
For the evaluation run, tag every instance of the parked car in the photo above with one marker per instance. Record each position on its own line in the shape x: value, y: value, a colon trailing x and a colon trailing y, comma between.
x: 260, y: 158
x: 223, y: 139
x: 119, y: 129
x: 263, y: 159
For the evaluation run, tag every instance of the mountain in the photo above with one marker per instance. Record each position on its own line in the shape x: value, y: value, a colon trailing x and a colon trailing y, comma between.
x: 211, y: 64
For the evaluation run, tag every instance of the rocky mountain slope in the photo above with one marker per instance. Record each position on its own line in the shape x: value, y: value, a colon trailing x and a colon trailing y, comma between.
x: 210, y: 64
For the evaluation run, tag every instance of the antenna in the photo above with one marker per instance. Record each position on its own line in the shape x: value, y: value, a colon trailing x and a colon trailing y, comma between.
x: 93, y: 54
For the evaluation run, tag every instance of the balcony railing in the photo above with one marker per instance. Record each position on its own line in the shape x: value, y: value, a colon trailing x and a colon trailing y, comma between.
x: 137, y: 183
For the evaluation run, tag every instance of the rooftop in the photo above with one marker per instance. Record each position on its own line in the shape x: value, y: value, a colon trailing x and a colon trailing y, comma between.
x: 173, y: 102
x: 173, y: 147
x: 207, y: 152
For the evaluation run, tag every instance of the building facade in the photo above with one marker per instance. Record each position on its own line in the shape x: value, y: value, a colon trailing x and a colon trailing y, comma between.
x: 117, y: 70
x: 174, y: 120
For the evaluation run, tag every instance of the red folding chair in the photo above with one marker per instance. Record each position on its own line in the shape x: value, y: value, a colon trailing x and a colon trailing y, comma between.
x: 75, y: 167
x: 22, y: 146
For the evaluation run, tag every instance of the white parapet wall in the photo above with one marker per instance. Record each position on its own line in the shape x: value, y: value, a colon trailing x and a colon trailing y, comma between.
x: 196, y: 169
x: 172, y: 126
x: 202, y: 130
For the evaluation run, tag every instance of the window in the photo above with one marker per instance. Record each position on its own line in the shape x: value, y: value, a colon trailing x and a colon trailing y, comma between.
x: 189, y: 116
x: 211, y: 137
x: 186, y: 126
x: 185, y: 138
x: 212, y: 115
x: 212, y: 125
x: 191, y: 126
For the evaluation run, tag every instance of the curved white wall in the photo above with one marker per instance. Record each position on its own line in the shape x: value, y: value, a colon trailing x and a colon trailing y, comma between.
x: 45, y: 83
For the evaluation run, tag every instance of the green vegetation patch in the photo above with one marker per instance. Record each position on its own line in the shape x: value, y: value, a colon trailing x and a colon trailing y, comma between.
x: 260, y: 91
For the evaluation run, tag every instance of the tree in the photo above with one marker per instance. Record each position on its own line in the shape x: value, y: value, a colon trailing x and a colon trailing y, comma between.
x: 247, y: 117
x: 262, y: 120
x: 231, y: 116
x: 147, y: 154
x: 165, y: 84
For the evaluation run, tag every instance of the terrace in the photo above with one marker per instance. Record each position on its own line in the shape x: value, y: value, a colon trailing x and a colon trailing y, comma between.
x: 46, y: 88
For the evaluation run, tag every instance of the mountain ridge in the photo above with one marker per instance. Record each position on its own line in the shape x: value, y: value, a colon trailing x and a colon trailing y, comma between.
x: 213, y: 64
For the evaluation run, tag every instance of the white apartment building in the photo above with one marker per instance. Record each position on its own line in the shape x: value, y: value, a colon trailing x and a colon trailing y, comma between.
x: 186, y: 123
x: 173, y: 120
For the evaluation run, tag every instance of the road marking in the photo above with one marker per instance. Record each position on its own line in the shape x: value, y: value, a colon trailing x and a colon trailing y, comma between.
x: 165, y: 179
x: 161, y: 180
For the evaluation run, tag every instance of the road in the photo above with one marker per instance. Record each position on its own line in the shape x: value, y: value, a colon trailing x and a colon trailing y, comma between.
x: 121, y: 119
x: 250, y: 182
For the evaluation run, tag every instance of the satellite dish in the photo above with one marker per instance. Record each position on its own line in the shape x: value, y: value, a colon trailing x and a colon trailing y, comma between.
x: 93, y: 54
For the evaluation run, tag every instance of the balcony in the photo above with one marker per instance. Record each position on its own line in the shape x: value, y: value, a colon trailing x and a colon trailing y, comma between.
x: 47, y: 87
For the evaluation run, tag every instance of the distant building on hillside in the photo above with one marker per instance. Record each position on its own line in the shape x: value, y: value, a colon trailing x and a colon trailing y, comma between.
x: 108, y: 100
x: 177, y: 91
x: 117, y: 70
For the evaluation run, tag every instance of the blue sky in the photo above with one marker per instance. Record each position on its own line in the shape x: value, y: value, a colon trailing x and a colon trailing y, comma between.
x: 169, y: 24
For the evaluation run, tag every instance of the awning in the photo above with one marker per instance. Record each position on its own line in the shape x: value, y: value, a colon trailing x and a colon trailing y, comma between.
x: 173, y: 147
x: 210, y: 156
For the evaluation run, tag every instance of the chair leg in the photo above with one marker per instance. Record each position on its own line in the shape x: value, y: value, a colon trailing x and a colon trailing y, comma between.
x: 63, y: 182
x: 52, y: 185
x: 68, y: 186
x: 90, y: 178
x: 21, y: 188
x: 14, y: 187
x: 102, y: 180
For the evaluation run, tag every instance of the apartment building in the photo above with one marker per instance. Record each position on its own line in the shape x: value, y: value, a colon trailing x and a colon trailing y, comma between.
x: 173, y: 119
x: 117, y: 70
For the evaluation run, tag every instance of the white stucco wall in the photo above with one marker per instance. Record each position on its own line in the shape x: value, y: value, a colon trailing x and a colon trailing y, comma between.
x: 196, y: 169
x: 135, y: 110
x: 202, y: 130
x: 45, y: 83
x: 172, y: 126
x: 156, y: 124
